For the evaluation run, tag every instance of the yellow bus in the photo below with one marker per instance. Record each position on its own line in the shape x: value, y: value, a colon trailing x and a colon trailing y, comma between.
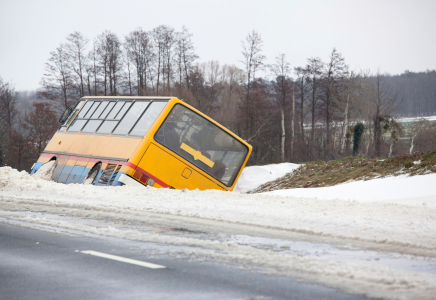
x: 143, y: 141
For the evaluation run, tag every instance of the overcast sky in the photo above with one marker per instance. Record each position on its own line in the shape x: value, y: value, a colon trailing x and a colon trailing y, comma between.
x: 392, y: 36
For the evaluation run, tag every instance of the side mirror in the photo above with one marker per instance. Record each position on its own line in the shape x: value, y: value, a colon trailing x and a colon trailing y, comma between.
x: 65, y: 115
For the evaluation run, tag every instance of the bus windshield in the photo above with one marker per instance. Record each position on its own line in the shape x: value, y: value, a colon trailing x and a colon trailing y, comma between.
x: 202, y: 143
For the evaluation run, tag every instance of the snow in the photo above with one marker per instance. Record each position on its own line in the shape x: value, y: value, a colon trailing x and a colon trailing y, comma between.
x: 415, y: 190
x: 45, y: 171
x: 255, y: 176
x: 396, y: 214
x: 414, y: 119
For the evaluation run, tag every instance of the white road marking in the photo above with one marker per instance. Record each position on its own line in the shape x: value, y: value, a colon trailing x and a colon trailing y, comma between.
x: 123, y: 259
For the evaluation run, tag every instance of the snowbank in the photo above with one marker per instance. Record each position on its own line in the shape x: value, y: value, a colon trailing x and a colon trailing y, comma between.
x: 415, y: 190
x: 255, y: 176
x: 403, y: 227
x: 388, y: 216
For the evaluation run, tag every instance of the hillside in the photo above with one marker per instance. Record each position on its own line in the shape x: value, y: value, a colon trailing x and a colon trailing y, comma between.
x: 330, y: 173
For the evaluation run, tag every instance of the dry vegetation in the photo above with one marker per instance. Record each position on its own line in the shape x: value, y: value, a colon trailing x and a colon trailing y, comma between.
x: 319, y: 173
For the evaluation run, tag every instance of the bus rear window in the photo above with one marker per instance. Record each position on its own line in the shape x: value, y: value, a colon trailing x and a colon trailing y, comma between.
x: 202, y: 143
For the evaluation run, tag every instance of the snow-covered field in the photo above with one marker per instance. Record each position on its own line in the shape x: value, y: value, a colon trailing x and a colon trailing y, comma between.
x: 392, y: 217
x: 414, y: 119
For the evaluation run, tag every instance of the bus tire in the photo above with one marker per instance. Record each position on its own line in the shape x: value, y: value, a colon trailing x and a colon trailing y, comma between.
x: 90, y: 179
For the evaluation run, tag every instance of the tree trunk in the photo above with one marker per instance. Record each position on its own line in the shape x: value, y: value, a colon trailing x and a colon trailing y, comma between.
x: 344, y: 126
x: 292, y: 125
x: 302, y: 115
x: 312, y: 131
x: 283, y: 135
x: 377, y: 135
x: 327, y: 148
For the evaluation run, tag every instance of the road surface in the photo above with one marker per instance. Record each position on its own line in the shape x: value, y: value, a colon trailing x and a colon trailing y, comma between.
x: 43, y: 265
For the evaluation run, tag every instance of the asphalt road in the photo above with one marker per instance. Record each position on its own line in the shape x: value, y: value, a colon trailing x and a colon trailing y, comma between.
x: 41, y: 265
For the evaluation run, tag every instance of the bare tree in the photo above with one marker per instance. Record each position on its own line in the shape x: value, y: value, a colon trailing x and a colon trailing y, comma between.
x: 129, y: 70
x: 206, y: 86
x: 283, y: 90
x: 41, y: 123
x: 333, y: 71
x: 253, y: 59
x: 382, y: 105
x: 78, y: 59
x: 92, y: 71
x: 314, y: 71
x: 139, y: 50
x: 8, y: 116
x: 110, y: 60
x: 302, y: 89
x: 57, y: 82
x: 233, y: 79
x: 18, y: 147
x: 163, y: 40
x: 185, y: 55
x: 8, y: 105
x: 344, y: 96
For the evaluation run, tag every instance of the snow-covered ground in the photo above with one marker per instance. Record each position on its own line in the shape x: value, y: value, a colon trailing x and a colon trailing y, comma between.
x: 387, y: 217
x: 415, y: 190
x: 414, y: 119
x: 255, y: 176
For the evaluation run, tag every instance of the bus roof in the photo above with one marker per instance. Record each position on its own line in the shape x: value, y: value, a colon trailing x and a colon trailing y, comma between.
x: 128, y: 97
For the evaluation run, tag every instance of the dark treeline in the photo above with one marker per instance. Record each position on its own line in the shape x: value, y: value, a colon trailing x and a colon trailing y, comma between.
x: 418, y: 92
x: 287, y: 113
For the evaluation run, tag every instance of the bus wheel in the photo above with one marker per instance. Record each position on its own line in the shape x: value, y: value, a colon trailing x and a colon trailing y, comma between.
x: 46, y: 170
x: 92, y: 174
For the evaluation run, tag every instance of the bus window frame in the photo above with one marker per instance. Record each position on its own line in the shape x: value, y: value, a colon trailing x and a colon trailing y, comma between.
x: 102, y: 99
x: 145, y: 110
x: 75, y: 113
x: 97, y: 119
x: 184, y: 160
x: 122, y: 118
x: 117, y: 118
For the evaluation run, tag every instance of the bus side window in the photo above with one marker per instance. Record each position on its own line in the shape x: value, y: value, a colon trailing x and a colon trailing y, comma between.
x: 148, y: 118
x: 91, y: 110
x: 115, y: 110
x: 107, y: 110
x: 99, y: 110
x: 123, y: 110
x: 76, y: 125
x: 85, y: 109
x: 131, y: 117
